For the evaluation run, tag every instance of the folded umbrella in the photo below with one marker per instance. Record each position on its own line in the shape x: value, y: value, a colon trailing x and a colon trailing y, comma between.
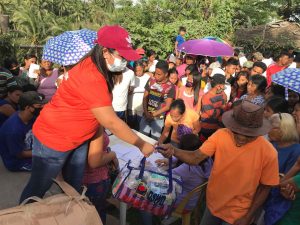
x: 288, y: 78
x: 206, y: 47
x: 69, y: 47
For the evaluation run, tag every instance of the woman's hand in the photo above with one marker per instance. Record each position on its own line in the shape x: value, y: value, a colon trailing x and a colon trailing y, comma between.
x: 147, y: 149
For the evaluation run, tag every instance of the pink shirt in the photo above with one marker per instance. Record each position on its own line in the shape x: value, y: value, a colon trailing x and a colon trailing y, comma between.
x: 187, y: 98
x: 92, y: 176
x: 47, y: 85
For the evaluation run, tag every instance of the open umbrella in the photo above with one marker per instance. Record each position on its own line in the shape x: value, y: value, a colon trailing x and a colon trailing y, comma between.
x: 288, y: 78
x: 206, y: 47
x: 69, y: 47
x: 216, y: 39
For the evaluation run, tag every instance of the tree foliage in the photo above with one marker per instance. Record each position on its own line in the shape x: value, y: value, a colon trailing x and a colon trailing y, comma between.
x: 152, y: 23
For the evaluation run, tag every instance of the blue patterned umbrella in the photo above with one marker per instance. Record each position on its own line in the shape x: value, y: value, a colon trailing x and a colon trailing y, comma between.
x: 69, y: 47
x: 288, y: 78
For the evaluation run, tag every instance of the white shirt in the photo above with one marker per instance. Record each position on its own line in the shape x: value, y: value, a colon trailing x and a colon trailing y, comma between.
x: 120, y: 91
x: 153, y: 66
x: 268, y: 62
x: 135, y: 100
x: 293, y: 65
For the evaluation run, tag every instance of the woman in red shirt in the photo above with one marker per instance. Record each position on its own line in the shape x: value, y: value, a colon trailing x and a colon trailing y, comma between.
x: 72, y: 117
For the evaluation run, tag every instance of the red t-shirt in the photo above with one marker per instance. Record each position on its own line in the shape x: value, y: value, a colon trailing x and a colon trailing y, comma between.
x: 66, y: 121
x: 272, y: 69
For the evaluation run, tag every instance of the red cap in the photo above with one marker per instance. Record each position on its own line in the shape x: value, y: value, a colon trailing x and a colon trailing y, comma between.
x: 140, y: 51
x: 116, y: 37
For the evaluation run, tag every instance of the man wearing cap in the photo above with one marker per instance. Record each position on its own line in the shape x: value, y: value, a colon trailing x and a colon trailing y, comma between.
x: 15, y: 133
x: 245, y: 166
x: 227, y: 85
x: 212, y: 107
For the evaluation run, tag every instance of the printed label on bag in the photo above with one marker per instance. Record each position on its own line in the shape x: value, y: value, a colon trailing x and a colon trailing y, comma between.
x: 156, y: 199
x: 142, y: 189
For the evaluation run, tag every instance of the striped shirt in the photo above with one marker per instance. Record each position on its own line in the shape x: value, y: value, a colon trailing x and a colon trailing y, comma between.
x: 6, y: 80
x: 212, y: 108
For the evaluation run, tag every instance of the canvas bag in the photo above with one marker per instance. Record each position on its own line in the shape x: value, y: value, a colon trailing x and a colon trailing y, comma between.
x: 68, y: 208
x: 147, y: 189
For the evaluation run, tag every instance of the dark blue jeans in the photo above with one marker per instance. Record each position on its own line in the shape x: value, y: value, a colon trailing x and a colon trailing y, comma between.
x: 47, y: 163
x: 97, y: 193
x: 122, y: 115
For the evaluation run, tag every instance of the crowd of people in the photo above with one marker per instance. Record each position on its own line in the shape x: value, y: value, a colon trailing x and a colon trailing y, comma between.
x: 221, y: 118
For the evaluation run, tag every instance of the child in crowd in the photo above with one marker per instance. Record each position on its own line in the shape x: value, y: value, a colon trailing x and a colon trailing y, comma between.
x: 158, y: 96
x: 192, y: 176
x: 96, y: 175
x: 135, y: 99
x: 151, y: 61
x: 173, y: 78
x: 9, y: 105
x: 180, y: 39
x: 293, y: 98
x: 256, y: 90
x: 239, y: 88
x: 183, y: 121
x: 191, y: 93
x: 212, y: 107
x: 275, y: 104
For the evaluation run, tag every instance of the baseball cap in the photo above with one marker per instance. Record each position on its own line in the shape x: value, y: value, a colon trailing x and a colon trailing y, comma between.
x: 214, y: 65
x: 217, y: 71
x: 140, y: 51
x: 248, y: 64
x: 218, y: 78
x: 29, y: 98
x: 258, y: 56
x: 116, y: 37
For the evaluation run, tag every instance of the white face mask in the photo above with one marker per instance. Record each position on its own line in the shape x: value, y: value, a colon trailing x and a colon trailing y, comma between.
x: 118, y: 66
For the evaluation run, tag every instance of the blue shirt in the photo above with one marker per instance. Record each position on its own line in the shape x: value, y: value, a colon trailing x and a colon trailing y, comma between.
x: 12, y: 141
x: 287, y: 157
x: 180, y: 40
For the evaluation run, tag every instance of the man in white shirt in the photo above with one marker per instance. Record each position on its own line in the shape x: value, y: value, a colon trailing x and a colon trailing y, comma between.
x: 120, y: 92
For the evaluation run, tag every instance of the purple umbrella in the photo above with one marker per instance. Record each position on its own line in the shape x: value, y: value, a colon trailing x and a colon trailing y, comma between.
x: 206, y: 47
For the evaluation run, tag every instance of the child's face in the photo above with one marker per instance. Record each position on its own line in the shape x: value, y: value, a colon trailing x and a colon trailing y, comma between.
x: 182, y: 33
x: 139, y: 71
x: 251, y: 88
x: 293, y: 98
x: 173, y: 78
x: 152, y: 58
x: 175, y: 115
x: 159, y: 75
x: 242, y: 81
x: 268, y: 112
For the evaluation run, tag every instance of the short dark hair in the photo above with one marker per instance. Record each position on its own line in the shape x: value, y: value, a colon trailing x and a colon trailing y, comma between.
x: 191, y: 67
x: 139, y: 63
x: 232, y: 61
x: 172, y: 70
x: 163, y: 65
x: 29, y: 56
x: 190, y: 142
x: 150, y: 53
x: 284, y: 53
x: 178, y: 104
x: 14, y: 88
x: 278, y: 90
x: 217, y: 79
x: 261, y: 65
x: 278, y: 104
x: 8, y: 62
x: 260, y: 82
x: 182, y: 29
